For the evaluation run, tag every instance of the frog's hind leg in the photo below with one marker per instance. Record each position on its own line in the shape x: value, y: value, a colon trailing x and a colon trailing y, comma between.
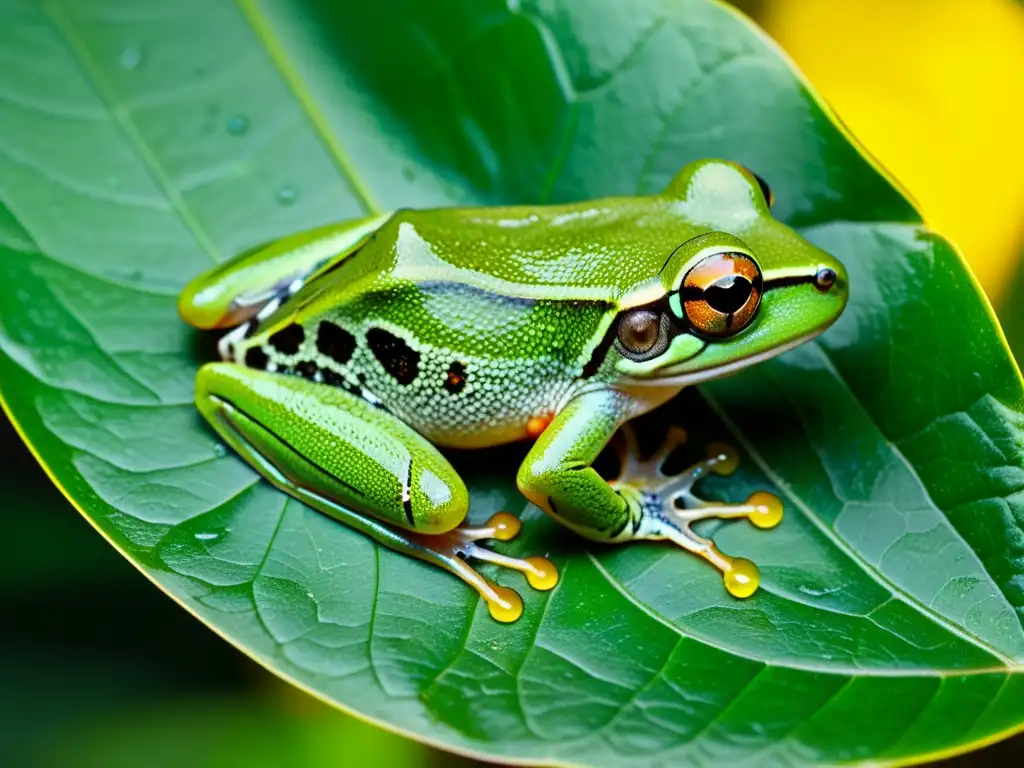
x: 670, y: 507
x: 354, y: 461
x: 242, y: 288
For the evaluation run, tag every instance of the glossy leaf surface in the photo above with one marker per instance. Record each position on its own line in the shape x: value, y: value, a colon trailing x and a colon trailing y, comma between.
x: 139, y: 143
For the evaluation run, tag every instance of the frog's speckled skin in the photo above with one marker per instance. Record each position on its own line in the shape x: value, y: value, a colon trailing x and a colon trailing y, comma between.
x: 476, y: 326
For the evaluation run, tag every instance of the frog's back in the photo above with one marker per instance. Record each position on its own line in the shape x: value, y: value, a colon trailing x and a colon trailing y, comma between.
x: 597, y: 249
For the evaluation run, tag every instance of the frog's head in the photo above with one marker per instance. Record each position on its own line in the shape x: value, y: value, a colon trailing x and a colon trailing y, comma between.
x: 746, y: 289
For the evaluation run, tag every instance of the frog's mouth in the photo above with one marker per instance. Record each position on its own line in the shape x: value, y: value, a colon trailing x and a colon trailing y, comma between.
x: 671, y: 376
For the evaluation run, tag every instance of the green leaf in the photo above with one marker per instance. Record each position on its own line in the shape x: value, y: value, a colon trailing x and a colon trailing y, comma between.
x: 1011, y: 311
x: 142, y: 142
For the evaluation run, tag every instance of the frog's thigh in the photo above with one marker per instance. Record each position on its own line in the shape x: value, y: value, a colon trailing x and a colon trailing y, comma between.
x: 333, y: 450
x: 350, y: 460
x: 235, y: 291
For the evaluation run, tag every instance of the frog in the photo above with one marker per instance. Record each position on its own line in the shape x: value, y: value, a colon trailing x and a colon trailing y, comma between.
x: 356, y: 355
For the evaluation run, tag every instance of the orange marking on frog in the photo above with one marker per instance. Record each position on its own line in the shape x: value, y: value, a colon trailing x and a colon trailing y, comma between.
x: 537, y: 424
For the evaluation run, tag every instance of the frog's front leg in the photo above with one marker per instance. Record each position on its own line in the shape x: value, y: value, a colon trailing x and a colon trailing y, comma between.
x: 643, y: 503
x: 357, y: 463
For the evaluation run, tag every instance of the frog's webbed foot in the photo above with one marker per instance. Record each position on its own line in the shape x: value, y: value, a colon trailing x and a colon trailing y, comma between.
x: 452, y: 550
x: 667, y: 506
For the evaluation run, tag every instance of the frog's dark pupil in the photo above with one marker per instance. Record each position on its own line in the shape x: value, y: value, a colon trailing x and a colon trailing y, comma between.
x: 728, y: 294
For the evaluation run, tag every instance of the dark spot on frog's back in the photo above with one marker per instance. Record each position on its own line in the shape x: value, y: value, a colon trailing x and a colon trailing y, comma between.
x: 335, y: 342
x: 307, y: 369
x: 455, y: 382
x: 398, y: 359
x: 256, y: 358
x: 288, y: 340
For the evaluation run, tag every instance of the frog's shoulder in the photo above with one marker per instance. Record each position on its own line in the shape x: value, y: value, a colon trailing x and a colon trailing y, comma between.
x: 598, y: 249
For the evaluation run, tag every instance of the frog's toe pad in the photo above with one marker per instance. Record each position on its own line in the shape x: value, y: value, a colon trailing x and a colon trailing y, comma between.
x: 741, y: 577
x: 765, y: 509
x: 722, y: 459
x: 542, y: 573
x: 505, y: 604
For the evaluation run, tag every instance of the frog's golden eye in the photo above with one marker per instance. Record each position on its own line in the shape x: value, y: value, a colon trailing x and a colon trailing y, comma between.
x: 642, y: 333
x: 721, y: 294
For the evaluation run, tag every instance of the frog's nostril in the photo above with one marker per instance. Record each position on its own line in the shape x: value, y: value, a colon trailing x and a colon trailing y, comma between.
x: 825, y: 278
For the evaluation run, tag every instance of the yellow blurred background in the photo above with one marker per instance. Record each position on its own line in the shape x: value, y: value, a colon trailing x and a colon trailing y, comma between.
x: 935, y: 90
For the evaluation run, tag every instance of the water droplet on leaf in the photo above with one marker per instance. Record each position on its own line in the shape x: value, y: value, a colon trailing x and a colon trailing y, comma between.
x: 287, y: 195
x: 238, y: 125
x: 131, y: 57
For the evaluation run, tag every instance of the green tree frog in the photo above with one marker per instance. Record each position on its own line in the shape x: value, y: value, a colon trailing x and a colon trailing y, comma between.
x: 356, y: 350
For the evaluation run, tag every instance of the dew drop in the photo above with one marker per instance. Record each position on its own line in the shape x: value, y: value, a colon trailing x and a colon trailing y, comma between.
x: 219, y: 450
x: 238, y: 125
x: 287, y: 195
x: 131, y: 57
x: 206, y: 536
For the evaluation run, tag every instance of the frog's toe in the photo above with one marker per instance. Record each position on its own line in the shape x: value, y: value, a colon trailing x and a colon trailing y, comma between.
x: 539, y: 571
x: 505, y: 605
x: 740, y: 576
x: 645, y: 472
x: 672, y: 508
x: 455, y: 548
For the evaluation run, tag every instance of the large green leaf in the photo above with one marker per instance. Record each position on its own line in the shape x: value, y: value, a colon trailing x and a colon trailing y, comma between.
x: 139, y: 142
x: 1011, y: 311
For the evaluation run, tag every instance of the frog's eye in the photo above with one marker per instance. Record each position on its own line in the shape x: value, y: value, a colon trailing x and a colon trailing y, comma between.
x: 721, y: 294
x: 642, y: 334
x: 769, y: 198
